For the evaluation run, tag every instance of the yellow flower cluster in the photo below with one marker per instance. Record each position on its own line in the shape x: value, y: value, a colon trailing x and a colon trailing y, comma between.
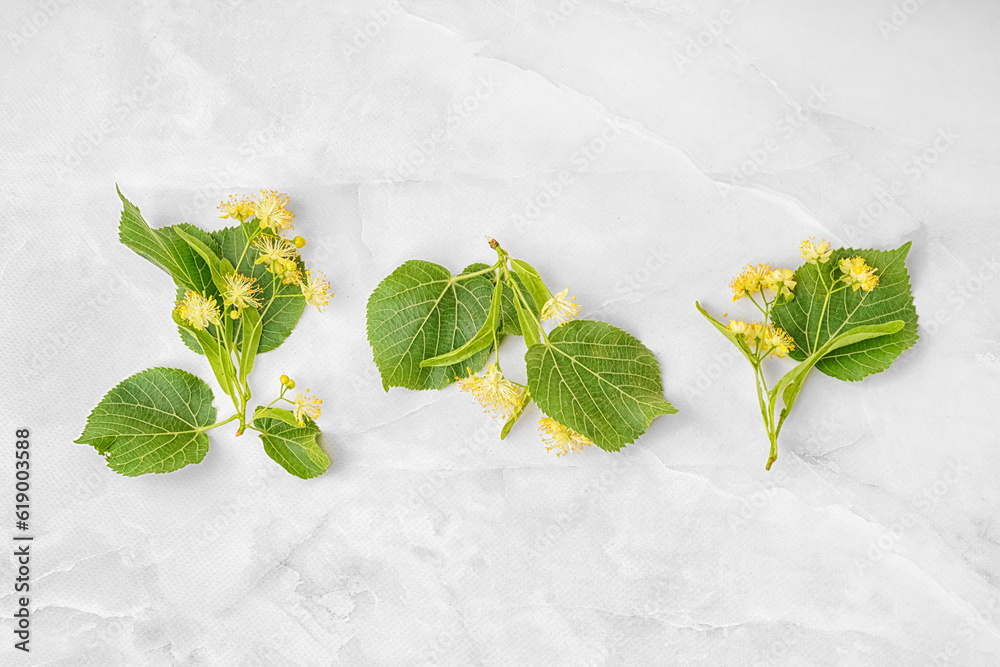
x: 561, y: 438
x: 237, y: 207
x: 768, y: 339
x: 560, y: 309
x: 780, y: 282
x: 814, y: 252
x: 749, y: 281
x: 271, y: 211
x: 199, y: 310
x: 495, y: 393
x: 858, y: 274
x: 306, y: 406
x: 240, y: 291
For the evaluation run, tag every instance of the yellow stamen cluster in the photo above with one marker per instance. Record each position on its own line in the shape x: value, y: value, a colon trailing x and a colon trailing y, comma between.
x: 858, y: 274
x: 561, y: 438
x: 560, y: 309
x: 306, y: 406
x: 780, y: 282
x: 237, y: 207
x: 271, y: 211
x: 240, y: 291
x: 199, y: 310
x: 277, y: 254
x: 495, y: 393
x: 314, y: 288
x: 814, y: 252
x: 766, y: 339
x: 749, y: 281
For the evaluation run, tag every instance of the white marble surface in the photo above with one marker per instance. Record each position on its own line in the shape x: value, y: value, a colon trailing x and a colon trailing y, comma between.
x: 598, y: 140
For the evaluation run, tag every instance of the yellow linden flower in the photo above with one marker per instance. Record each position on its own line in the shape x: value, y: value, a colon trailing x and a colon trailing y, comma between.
x: 495, y: 393
x: 754, y: 331
x: 738, y: 327
x: 814, y: 252
x: 560, y: 309
x: 315, y: 289
x: 240, y: 291
x: 749, y: 281
x: 199, y: 310
x: 271, y: 212
x: 776, y: 341
x: 274, y: 252
x: 238, y: 207
x: 306, y: 406
x: 561, y: 438
x: 780, y: 281
x: 292, y: 277
x: 857, y: 273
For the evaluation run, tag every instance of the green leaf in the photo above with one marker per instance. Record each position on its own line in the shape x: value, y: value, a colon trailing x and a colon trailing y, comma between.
x: 891, y: 300
x: 293, y: 447
x: 152, y: 422
x: 165, y: 248
x: 280, y: 414
x: 533, y: 281
x: 421, y: 311
x: 509, y: 424
x: 278, y: 319
x: 733, y: 338
x: 599, y: 381
x: 791, y: 383
x: 528, y: 324
x: 510, y: 321
x: 483, y: 339
x: 222, y: 365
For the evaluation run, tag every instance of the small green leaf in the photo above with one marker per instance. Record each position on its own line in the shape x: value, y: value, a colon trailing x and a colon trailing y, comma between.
x: 293, y: 447
x: 280, y: 414
x: 152, y: 422
x: 891, y: 300
x: 165, y: 248
x: 597, y: 380
x: 421, y: 311
x: 533, y: 281
x: 509, y: 424
x: 483, y: 339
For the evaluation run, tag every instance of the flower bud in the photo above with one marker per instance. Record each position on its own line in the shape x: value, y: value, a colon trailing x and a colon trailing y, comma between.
x: 284, y: 379
x: 298, y: 242
x: 234, y: 314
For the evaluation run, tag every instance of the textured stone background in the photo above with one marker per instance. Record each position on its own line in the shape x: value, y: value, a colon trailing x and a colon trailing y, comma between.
x: 638, y: 152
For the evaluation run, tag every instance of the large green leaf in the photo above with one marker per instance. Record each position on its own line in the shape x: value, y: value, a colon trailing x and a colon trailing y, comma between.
x: 154, y: 421
x: 278, y: 319
x: 165, y: 248
x: 889, y: 301
x: 421, y: 311
x: 293, y: 447
x: 598, y: 380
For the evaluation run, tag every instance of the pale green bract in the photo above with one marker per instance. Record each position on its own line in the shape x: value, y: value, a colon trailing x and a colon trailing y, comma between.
x: 152, y: 422
x: 599, y: 381
x: 156, y: 421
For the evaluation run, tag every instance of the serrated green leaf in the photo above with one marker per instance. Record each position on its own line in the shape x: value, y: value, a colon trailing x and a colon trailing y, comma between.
x: 165, y: 248
x: 294, y: 448
x: 599, y: 381
x: 483, y: 339
x: 152, y: 422
x: 891, y: 300
x: 421, y: 311
x: 532, y: 281
x: 278, y: 319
